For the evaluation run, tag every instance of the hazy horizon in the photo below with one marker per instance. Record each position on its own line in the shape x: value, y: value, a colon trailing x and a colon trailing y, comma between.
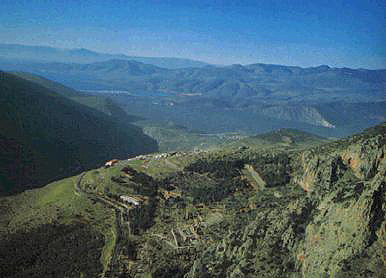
x: 192, y: 59
x: 339, y: 34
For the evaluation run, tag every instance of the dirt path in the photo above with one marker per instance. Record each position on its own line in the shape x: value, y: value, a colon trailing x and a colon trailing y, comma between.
x: 254, y: 178
x: 77, y: 188
x: 172, y: 165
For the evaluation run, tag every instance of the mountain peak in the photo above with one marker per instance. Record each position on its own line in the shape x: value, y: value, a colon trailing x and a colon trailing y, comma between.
x: 83, y: 51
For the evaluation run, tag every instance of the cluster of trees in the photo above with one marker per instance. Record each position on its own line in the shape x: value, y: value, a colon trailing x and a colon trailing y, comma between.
x: 224, y: 168
x: 207, y: 181
x: 52, y: 250
x: 140, y: 182
x: 274, y: 168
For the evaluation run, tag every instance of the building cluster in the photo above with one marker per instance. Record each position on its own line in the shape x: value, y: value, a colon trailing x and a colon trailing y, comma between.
x: 160, y: 156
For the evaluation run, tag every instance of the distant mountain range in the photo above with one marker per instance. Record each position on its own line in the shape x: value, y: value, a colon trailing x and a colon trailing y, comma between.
x: 259, y: 81
x: 251, y: 98
x: 44, y: 54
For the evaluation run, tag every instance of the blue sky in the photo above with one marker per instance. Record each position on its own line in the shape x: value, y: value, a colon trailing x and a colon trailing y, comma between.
x: 305, y: 33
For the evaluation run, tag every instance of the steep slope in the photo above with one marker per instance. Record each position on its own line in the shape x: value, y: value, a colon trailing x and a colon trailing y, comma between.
x: 271, y: 212
x: 98, y: 102
x: 49, y: 84
x: 45, y: 136
x: 63, y: 237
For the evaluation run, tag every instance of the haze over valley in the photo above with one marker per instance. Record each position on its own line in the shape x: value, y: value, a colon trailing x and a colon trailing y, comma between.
x: 332, y: 102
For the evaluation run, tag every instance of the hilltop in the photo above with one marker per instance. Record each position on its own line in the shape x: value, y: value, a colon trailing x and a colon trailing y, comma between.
x: 282, y: 210
x: 47, y: 136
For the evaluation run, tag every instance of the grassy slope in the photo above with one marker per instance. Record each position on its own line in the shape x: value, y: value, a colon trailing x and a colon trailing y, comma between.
x: 59, y: 204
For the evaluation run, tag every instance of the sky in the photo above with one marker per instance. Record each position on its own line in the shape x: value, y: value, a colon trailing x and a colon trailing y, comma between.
x: 302, y: 33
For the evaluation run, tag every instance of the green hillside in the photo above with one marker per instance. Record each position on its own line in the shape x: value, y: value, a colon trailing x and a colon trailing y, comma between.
x: 273, y: 211
x: 45, y: 136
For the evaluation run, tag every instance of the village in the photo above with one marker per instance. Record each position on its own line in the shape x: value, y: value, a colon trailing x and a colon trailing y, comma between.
x: 159, y: 156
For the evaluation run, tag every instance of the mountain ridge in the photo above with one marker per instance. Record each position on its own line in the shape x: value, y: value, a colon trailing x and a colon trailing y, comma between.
x: 18, y: 52
x: 267, y: 82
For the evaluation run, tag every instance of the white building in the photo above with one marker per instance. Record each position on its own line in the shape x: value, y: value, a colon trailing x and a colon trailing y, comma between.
x: 130, y: 200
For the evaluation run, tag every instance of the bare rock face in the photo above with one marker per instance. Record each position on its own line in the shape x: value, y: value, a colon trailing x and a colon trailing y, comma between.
x: 347, y: 227
x: 347, y: 179
x: 323, y: 166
